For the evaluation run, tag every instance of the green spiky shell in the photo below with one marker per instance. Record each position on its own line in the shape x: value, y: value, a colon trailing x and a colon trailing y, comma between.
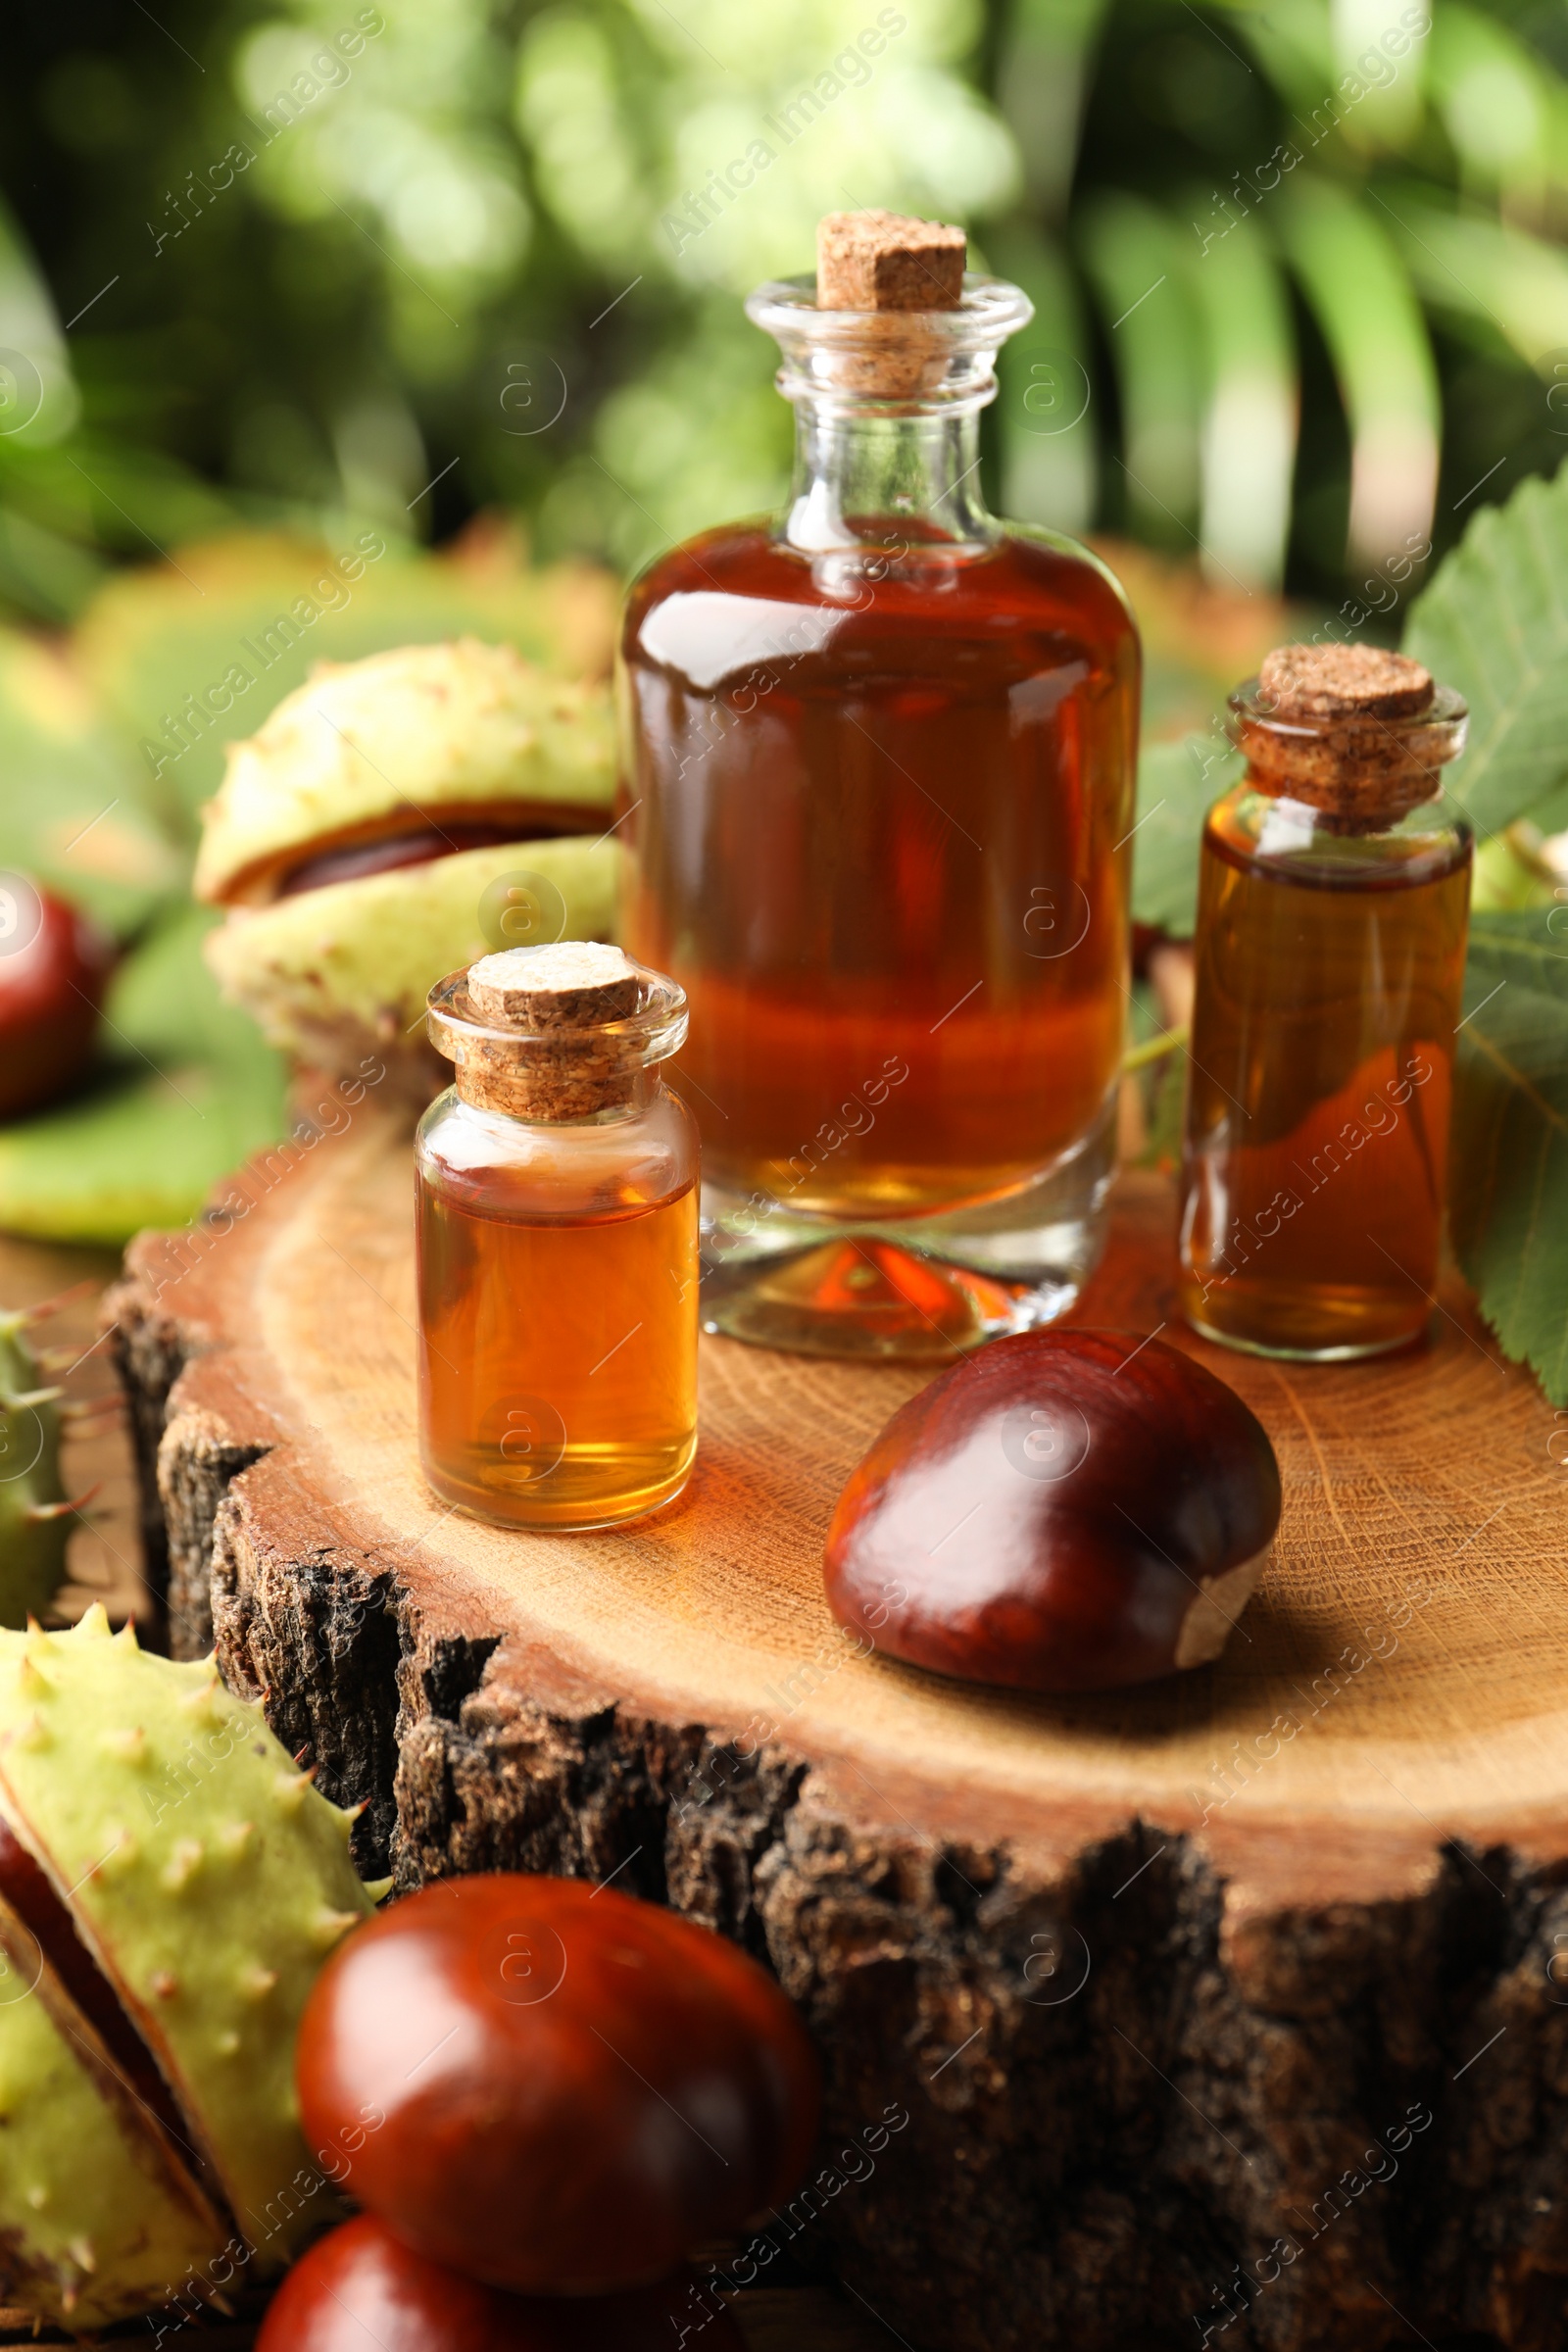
x: 339, y: 975
x: 94, y: 2219
x: 32, y: 1538
x: 209, y: 1878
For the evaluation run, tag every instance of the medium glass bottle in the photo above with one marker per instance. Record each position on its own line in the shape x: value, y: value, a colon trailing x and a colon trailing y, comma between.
x: 557, y: 1232
x: 877, y: 779
x: 1333, y: 909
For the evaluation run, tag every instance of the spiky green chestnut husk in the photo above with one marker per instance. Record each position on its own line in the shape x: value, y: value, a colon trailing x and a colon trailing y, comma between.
x: 35, y: 1520
x: 98, y: 2215
x: 338, y: 976
x: 210, y: 1880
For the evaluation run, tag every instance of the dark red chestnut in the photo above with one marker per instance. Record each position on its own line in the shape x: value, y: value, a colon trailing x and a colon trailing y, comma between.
x: 1064, y: 1511
x: 362, y: 2290
x: 54, y: 964
x: 578, y: 2088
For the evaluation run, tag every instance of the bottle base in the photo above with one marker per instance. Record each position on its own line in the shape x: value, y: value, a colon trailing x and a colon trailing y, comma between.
x: 911, y: 1290
x: 1338, y: 1352
x: 1304, y: 1321
x: 871, y: 1299
x: 583, y: 1503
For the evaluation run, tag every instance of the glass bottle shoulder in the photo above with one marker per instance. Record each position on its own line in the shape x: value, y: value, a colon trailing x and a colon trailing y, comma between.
x: 740, y: 599
x: 496, y: 1165
x: 1267, y: 834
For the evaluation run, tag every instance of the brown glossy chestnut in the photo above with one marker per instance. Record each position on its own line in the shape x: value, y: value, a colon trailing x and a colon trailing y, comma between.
x: 1066, y: 1510
x: 577, y: 2088
x: 54, y: 964
x: 362, y: 2290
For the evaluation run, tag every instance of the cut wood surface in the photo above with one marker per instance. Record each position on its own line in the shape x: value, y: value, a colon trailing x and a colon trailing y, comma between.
x: 1152, y: 1976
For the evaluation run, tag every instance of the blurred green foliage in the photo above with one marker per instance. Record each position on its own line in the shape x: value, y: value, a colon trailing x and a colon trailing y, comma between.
x: 278, y: 273
x: 323, y: 264
x: 183, y: 1091
x: 106, y: 756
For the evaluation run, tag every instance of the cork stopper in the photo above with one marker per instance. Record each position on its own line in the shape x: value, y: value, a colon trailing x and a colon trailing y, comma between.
x: 840, y: 358
x: 1342, y: 681
x: 571, y: 984
x: 1358, y: 733
x: 888, y: 262
x: 887, y: 275
x: 555, y: 1033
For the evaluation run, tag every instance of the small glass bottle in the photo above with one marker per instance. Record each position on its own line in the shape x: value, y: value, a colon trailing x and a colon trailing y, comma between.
x: 1333, y: 909
x: 877, y: 776
x: 557, y: 1231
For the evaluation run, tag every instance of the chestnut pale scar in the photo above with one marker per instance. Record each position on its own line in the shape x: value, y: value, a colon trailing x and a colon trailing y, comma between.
x: 1217, y: 1603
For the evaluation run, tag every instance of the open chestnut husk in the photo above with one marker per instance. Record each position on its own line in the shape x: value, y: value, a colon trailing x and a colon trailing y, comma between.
x: 362, y: 2290
x: 1067, y: 1510
x: 54, y: 968
x: 577, y: 2089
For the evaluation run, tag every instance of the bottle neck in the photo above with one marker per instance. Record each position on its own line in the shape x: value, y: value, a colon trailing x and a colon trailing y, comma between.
x: 881, y: 482
x: 583, y: 1102
x: 1362, y: 773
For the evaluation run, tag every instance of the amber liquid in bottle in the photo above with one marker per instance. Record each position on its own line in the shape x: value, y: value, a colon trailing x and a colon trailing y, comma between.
x: 556, y: 1220
x: 877, y: 843
x: 877, y: 777
x: 1328, y: 992
x: 558, y: 1381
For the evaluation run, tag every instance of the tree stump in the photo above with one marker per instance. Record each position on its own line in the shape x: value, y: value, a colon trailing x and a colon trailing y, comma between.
x: 1231, y: 2003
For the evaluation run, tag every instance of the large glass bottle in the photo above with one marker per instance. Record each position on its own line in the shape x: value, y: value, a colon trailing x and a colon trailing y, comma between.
x: 877, y: 780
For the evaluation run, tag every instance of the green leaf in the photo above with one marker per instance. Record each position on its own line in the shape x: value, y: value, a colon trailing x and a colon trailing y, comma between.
x: 145, y: 1147
x: 164, y: 1003
x: 1510, y: 874
x: 71, y: 805
x: 1358, y: 292
x: 1510, y: 289
x: 1495, y: 624
x: 1045, y: 414
x: 1156, y: 1063
x: 1509, y: 1184
x: 1135, y: 255
x: 1177, y: 784
x: 186, y: 1091
x: 1250, y: 424
x: 186, y: 660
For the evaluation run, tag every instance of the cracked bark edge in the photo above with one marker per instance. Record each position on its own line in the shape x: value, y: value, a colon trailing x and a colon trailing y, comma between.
x: 1128, y: 2075
x: 196, y: 1463
x: 150, y: 1350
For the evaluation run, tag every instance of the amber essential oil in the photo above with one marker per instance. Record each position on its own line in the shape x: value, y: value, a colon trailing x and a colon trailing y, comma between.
x: 918, y: 880
x: 559, y: 1387
x: 877, y: 780
x: 558, y: 1273
x: 1330, y: 961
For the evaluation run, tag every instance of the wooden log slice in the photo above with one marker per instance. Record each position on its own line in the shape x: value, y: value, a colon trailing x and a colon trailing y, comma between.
x: 1233, y: 2004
